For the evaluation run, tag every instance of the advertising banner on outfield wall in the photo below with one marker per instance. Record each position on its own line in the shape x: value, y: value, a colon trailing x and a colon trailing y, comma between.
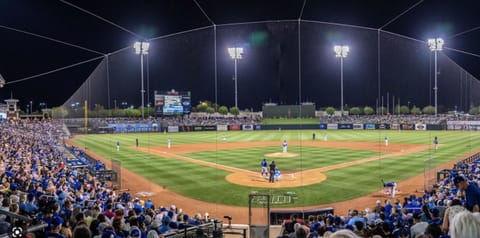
x: 358, y: 126
x: 133, y: 127
x: 331, y: 126
x: 322, y: 126
x: 185, y: 128
x: 408, y: 126
x: 234, y: 127
x: 369, y: 126
x: 247, y: 127
x: 394, y: 127
x: 197, y: 128
x: 173, y: 129
x: 463, y: 125
x: 383, y: 126
x: 222, y: 127
x: 210, y: 128
x: 345, y: 126
x: 435, y: 127
x: 258, y: 127
x: 420, y: 127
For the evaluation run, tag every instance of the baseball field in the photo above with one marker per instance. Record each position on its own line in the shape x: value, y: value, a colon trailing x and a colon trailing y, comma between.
x: 338, y: 166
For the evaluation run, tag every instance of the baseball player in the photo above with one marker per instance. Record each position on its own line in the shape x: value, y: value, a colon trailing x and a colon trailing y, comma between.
x: 264, y: 165
x: 285, y: 145
x: 435, y: 143
x: 118, y: 145
x: 277, y: 174
x: 392, y: 186
x: 386, y: 140
x: 169, y: 143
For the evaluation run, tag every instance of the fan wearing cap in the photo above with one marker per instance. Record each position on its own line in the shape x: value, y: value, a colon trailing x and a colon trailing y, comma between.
x: 472, y: 193
x: 56, y: 225
x: 419, y: 225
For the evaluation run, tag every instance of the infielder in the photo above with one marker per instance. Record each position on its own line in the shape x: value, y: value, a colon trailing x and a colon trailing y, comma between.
x: 118, y: 145
x: 386, y: 140
x: 169, y: 143
x: 285, y: 145
x: 392, y: 186
x: 435, y: 143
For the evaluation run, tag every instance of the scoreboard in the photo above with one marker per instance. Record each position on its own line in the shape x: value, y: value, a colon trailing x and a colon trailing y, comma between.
x: 169, y: 103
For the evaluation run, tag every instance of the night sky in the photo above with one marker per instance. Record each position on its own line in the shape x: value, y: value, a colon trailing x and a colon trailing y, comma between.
x: 270, y: 70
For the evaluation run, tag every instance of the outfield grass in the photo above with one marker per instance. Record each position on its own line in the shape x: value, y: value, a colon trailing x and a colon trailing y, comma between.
x: 208, y: 184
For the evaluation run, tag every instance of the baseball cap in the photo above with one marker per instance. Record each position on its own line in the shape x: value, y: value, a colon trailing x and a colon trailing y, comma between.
x: 109, y: 234
x: 135, y: 233
x: 458, y: 179
x: 56, y: 221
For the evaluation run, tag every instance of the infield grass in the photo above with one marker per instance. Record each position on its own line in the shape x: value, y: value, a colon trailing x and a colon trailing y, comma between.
x: 209, y: 184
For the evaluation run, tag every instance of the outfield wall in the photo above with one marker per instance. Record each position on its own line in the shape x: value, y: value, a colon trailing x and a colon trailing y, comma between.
x: 158, y: 127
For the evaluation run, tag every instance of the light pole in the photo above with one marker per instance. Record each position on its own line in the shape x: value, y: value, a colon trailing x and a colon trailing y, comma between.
x: 435, y: 45
x: 341, y: 51
x: 236, y: 53
x: 141, y: 48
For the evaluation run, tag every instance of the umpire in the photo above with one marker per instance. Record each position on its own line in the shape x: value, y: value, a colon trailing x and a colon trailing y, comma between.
x: 271, y: 168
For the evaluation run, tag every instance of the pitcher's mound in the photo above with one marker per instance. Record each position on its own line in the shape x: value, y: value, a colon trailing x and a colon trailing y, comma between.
x: 281, y: 155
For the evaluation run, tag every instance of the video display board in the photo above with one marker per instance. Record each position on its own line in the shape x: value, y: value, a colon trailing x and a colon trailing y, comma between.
x: 169, y: 103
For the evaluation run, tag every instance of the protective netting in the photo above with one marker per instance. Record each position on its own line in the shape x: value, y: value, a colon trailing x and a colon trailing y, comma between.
x: 380, y: 65
x: 285, y: 63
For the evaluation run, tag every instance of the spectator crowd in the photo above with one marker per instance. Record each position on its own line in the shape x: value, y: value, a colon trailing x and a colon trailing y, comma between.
x: 37, y: 187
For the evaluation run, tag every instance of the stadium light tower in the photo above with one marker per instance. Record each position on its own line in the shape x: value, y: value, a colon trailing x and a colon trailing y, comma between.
x: 435, y: 45
x: 236, y: 53
x: 341, y: 51
x: 2, y: 81
x: 141, y: 48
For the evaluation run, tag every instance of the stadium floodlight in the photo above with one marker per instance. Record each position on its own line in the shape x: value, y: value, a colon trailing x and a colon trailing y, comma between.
x: 2, y: 81
x: 435, y: 45
x: 236, y: 53
x: 341, y: 51
x: 141, y: 48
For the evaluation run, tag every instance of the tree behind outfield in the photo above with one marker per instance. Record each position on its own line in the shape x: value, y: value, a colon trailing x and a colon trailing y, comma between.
x: 330, y: 110
x: 234, y: 111
x: 415, y: 111
x: 430, y: 110
x: 355, y: 111
x: 223, y: 110
x: 210, y: 111
x: 474, y: 111
x: 404, y: 110
x: 368, y: 110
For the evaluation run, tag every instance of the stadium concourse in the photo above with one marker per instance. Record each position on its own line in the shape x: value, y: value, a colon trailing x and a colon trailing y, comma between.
x: 40, y: 190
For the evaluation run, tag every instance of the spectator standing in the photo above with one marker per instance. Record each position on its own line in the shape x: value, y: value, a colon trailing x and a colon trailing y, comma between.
x: 472, y: 193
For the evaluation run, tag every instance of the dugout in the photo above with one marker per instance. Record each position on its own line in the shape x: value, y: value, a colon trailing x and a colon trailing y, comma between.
x: 304, y: 110
x: 277, y: 216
